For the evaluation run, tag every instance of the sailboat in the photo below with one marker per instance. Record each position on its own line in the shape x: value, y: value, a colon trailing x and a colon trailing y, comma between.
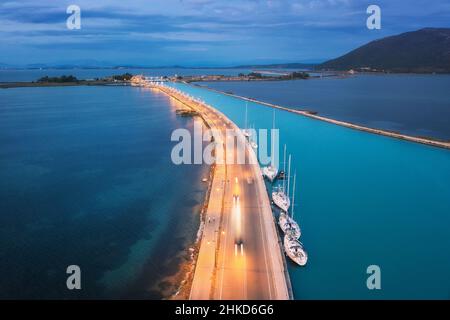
x: 294, y: 249
x: 247, y: 133
x: 279, y: 196
x: 271, y: 171
x: 287, y: 222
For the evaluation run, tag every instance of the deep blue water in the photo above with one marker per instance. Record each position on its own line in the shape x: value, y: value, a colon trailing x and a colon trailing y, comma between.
x: 86, y: 179
x: 363, y: 200
x: 413, y: 104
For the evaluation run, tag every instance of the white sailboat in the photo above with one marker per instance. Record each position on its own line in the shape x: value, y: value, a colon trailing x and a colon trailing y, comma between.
x: 280, y: 196
x: 287, y: 222
x: 246, y: 132
x: 294, y: 249
x: 271, y: 171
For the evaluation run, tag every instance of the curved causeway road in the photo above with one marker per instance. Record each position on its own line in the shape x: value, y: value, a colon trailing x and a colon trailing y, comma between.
x: 239, y: 211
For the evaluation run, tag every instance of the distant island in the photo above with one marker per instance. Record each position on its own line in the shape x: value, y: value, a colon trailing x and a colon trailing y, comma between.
x: 423, y: 51
x: 61, y: 79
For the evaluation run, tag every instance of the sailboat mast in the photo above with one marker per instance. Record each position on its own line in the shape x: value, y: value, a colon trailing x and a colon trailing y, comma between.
x: 272, y: 149
x: 252, y: 130
x: 284, y: 169
x: 246, y: 111
x: 289, y: 175
x: 293, y: 196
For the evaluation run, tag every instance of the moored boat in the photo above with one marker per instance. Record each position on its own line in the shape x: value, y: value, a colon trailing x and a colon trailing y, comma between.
x: 271, y: 171
x: 294, y: 249
x: 280, y: 196
x: 289, y: 226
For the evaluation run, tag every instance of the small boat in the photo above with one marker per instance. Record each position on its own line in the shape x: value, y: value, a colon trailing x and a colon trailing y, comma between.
x: 289, y: 226
x: 280, y: 197
x: 294, y: 249
x: 281, y: 200
x: 252, y: 140
x: 287, y: 222
x: 270, y: 172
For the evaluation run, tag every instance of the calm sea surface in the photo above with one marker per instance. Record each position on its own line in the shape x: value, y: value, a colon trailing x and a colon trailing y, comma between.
x: 86, y: 179
x: 363, y: 200
x: 413, y: 104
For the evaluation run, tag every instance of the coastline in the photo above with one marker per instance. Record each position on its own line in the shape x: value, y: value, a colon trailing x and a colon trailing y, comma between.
x: 395, y: 135
x: 182, y: 280
x: 179, y: 284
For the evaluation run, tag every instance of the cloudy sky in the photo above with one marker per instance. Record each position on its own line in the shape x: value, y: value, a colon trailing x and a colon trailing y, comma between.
x: 201, y: 32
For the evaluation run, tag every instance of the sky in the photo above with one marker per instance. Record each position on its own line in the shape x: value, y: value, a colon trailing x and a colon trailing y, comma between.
x: 201, y: 32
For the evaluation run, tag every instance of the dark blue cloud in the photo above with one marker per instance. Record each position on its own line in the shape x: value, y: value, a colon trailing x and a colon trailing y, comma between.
x: 203, y: 31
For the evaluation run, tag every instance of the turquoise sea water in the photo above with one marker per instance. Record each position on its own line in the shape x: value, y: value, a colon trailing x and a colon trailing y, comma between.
x: 86, y: 179
x: 363, y: 200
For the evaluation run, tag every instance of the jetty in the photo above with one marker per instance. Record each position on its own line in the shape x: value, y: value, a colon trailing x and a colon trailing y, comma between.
x: 314, y: 115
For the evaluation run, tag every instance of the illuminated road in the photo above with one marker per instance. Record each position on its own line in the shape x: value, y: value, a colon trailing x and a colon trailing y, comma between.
x: 239, y: 257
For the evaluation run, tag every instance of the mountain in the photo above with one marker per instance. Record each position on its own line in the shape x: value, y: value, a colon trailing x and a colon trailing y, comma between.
x: 423, y: 51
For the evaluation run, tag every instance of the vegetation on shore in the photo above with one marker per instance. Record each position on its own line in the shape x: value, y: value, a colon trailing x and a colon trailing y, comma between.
x: 123, y: 77
x: 61, y: 79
